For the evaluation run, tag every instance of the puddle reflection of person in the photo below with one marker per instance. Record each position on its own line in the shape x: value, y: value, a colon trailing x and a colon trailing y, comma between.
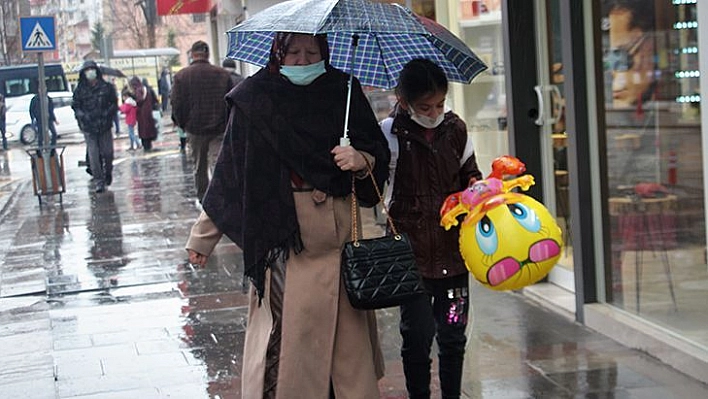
x: 4, y: 166
x: 631, y: 54
x: 105, y: 232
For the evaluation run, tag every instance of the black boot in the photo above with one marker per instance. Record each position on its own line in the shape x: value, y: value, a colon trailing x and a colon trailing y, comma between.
x: 417, y: 379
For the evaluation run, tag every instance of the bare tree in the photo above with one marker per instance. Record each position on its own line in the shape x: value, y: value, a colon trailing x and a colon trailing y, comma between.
x: 10, y: 32
x: 126, y: 23
x: 149, y: 8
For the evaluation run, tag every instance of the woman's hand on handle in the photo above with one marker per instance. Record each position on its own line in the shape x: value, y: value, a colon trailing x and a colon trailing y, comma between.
x: 196, y: 258
x: 348, y: 158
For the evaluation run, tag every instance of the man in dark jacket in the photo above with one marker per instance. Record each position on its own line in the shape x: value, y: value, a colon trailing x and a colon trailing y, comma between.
x: 164, y: 86
x: 230, y: 65
x: 198, y: 107
x: 36, y: 117
x: 94, y: 105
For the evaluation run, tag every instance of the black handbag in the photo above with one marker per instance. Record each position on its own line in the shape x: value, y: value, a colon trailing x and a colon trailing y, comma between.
x: 379, y: 272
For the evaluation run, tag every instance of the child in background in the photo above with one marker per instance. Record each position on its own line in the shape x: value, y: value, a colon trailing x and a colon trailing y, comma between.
x: 431, y: 157
x: 130, y: 109
x: 182, y: 139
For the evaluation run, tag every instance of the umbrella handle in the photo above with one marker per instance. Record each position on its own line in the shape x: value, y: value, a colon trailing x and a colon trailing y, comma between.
x: 344, y: 140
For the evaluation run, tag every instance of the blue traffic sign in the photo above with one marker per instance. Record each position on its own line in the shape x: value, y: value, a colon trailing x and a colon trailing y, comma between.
x: 38, y: 33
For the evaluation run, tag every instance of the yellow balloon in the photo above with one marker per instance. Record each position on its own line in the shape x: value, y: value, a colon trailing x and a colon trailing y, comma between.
x: 508, y: 240
x: 512, y: 245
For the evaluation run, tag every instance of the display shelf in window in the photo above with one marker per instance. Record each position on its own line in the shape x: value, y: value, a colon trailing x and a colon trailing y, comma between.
x: 487, y: 19
x: 485, y: 97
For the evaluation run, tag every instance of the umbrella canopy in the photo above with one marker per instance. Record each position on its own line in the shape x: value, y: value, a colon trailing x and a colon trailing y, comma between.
x: 105, y: 70
x: 108, y: 71
x: 389, y: 36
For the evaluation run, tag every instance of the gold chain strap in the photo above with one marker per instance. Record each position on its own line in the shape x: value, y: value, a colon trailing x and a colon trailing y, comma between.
x: 355, y: 234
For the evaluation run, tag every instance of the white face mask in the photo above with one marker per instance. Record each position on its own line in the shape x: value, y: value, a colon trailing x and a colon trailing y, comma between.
x: 91, y: 74
x: 303, y: 75
x: 426, y: 121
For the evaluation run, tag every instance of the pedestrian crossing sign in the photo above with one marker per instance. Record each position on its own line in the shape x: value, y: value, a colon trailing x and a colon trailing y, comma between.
x: 38, y: 33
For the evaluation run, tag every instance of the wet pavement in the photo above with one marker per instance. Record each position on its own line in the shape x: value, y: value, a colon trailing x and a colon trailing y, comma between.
x: 96, y: 301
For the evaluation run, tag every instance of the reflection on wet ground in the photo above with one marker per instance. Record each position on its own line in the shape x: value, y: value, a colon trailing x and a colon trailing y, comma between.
x: 96, y: 301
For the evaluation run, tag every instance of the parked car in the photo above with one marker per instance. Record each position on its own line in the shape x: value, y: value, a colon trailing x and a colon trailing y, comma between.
x: 19, y: 125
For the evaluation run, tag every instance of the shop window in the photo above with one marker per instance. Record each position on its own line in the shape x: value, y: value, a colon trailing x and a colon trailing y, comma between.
x: 655, y: 172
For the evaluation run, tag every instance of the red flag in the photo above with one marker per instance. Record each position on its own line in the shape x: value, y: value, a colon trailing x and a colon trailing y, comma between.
x: 170, y: 7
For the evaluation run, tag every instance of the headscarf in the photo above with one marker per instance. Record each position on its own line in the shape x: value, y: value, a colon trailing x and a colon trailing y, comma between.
x: 280, y: 45
x: 137, y: 86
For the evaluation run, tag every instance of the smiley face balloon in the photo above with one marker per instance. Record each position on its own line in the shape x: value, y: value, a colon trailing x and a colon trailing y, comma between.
x: 508, y: 240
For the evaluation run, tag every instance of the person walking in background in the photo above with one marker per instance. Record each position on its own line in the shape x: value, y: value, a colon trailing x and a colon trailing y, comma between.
x: 35, y: 113
x: 156, y: 112
x: 198, y: 108
x: 94, y: 105
x: 147, y: 129
x: 164, y: 86
x: 230, y: 65
x: 291, y: 211
x: 3, y: 126
x: 182, y: 137
x: 129, y: 108
x: 432, y: 157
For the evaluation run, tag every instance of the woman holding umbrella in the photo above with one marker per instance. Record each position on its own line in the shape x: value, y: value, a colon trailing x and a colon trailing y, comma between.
x: 281, y: 191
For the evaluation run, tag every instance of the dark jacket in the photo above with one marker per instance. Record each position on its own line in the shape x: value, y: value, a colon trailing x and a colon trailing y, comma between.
x: 236, y: 78
x: 95, y: 105
x: 426, y: 173
x: 146, y: 122
x: 277, y: 130
x: 35, y: 110
x: 197, y: 98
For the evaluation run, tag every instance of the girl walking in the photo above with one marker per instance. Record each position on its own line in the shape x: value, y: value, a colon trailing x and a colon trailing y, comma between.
x: 129, y: 108
x: 431, y: 157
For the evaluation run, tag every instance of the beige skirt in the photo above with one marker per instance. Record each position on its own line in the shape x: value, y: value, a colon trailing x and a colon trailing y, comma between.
x: 323, y: 339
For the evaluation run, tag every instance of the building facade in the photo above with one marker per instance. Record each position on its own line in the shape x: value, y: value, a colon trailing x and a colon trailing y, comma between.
x: 601, y: 100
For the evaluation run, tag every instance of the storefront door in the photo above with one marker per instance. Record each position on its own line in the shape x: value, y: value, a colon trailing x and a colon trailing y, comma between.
x: 553, y: 135
x: 516, y: 106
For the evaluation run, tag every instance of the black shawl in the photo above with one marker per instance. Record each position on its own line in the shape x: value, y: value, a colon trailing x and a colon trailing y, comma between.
x: 276, y: 128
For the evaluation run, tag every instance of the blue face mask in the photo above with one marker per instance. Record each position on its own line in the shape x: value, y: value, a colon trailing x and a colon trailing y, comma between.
x: 303, y: 75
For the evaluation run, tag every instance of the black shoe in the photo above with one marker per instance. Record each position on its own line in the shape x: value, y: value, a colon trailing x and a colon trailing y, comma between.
x: 109, y: 179
x: 100, y: 188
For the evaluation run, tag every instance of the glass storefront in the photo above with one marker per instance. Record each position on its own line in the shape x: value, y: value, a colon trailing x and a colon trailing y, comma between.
x: 646, y: 141
x: 655, y: 172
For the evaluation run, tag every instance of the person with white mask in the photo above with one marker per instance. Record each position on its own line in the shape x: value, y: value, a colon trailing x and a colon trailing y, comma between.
x: 282, y: 191
x: 94, y: 105
x: 431, y: 158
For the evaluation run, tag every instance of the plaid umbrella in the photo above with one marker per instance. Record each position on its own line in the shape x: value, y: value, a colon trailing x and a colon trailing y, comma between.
x: 389, y: 36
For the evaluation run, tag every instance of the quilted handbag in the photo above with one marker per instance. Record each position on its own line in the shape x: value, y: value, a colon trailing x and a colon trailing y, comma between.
x: 379, y: 272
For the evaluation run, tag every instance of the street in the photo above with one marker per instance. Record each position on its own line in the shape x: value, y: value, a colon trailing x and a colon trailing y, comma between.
x: 97, y: 301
